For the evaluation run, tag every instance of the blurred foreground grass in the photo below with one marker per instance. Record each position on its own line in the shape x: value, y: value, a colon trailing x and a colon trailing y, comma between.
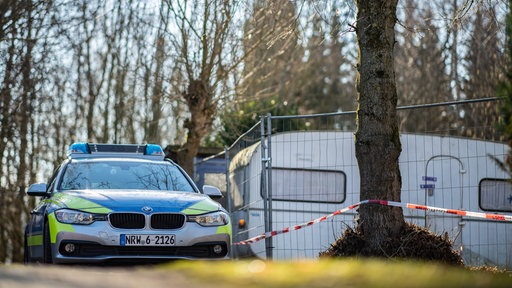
x: 335, y: 273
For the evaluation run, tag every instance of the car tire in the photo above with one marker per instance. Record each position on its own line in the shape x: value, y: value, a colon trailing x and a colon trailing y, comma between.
x: 47, y: 245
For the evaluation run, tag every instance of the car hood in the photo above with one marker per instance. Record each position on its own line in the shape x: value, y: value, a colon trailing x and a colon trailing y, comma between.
x: 106, y: 201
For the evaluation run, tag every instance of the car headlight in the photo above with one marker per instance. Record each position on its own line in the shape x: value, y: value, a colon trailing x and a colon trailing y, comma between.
x: 68, y: 216
x: 218, y: 218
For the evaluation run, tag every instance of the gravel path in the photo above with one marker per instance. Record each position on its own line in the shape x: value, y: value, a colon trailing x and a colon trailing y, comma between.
x: 39, y: 276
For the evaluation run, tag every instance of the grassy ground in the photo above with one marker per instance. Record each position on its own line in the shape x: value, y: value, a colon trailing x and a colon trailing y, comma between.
x: 335, y: 273
x: 253, y: 273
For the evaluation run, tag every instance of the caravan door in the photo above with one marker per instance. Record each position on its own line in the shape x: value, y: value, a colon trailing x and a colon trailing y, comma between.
x: 444, y: 189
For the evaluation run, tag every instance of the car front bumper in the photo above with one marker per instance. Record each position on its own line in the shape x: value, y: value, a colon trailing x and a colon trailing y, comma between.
x: 100, y: 243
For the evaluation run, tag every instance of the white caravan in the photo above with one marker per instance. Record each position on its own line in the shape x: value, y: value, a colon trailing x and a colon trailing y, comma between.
x: 316, y: 173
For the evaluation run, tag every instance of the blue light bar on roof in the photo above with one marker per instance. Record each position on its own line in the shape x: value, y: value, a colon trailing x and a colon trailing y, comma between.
x: 79, y: 148
x: 154, y: 150
x: 94, y: 150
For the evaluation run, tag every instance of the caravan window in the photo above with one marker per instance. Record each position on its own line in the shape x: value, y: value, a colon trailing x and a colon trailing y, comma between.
x: 495, y: 195
x: 308, y: 185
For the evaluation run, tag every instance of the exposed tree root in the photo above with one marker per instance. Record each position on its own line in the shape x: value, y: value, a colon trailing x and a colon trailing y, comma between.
x: 415, y: 243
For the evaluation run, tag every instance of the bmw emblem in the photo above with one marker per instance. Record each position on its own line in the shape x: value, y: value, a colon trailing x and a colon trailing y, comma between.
x: 147, y: 209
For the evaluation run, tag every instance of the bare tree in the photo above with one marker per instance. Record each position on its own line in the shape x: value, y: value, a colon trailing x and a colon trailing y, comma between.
x: 6, y: 104
x: 421, y: 72
x: 82, y: 32
x: 26, y: 101
x: 206, y: 45
x: 25, y: 57
x: 484, y: 65
x: 203, y: 29
x: 324, y: 89
x: 152, y: 130
x: 270, y: 79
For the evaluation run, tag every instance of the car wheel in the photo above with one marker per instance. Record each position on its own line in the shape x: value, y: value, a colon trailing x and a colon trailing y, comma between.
x: 47, y: 246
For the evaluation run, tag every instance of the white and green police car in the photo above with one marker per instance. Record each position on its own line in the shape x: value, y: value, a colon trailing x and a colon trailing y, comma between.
x: 111, y: 203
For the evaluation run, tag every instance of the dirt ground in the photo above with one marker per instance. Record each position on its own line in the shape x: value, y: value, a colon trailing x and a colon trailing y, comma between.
x: 39, y: 276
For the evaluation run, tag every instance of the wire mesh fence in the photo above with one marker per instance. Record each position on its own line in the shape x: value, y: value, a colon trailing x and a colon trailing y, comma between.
x: 290, y: 170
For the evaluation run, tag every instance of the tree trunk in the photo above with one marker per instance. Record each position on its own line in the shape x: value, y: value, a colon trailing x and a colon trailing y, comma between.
x: 377, y: 138
x: 202, y: 111
x: 153, y: 132
x: 6, y: 132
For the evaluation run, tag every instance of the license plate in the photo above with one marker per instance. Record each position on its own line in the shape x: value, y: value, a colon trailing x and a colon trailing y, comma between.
x: 147, y: 240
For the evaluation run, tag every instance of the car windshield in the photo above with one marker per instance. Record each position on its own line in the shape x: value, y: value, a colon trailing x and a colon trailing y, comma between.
x: 124, y: 175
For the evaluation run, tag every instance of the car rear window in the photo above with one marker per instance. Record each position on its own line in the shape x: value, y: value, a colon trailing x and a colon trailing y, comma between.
x: 124, y: 175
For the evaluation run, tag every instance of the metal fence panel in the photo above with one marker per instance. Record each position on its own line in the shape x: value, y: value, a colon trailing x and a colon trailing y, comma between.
x: 313, y: 172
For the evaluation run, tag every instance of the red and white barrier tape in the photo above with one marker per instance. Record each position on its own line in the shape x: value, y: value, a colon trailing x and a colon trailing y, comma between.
x: 499, y: 217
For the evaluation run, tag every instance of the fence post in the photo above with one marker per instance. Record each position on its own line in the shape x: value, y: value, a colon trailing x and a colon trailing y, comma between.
x: 228, y: 186
x: 264, y: 187
x: 269, y: 182
x: 228, y: 193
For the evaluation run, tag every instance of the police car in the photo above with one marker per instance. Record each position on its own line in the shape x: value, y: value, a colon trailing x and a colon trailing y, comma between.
x: 124, y: 203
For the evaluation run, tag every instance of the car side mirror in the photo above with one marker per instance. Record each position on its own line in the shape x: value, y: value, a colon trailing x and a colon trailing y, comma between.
x: 37, y: 189
x: 212, y: 191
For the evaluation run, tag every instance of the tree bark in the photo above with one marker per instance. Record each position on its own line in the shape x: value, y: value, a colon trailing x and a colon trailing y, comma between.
x: 377, y: 138
x: 6, y: 130
x: 24, y: 115
x: 153, y: 131
x: 202, y: 112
